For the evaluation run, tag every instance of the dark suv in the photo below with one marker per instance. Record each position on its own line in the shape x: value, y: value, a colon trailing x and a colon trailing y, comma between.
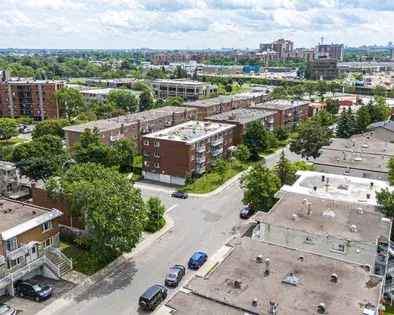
x: 179, y: 194
x: 152, y: 297
x: 175, y: 275
x: 33, y: 290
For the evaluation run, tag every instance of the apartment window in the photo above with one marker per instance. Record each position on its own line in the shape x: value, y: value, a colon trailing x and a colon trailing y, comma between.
x: 157, y: 144
x: 157, y: 154
x: 47, y: 242
x: 157, y: 165
x: 46, y: 226
x: 146, y: 142
x: 14, y: 262
x: 12, y: 244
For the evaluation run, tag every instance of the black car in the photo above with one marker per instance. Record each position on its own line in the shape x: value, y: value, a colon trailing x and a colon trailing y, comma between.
x: 175, y: 275
x: 33, y: 290
x: 246, y: 213
x: 179, y: 194
x: 152, y: 297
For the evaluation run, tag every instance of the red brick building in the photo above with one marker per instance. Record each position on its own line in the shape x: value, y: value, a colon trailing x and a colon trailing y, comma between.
x: 290, y: 112
x: 30, y: 98
x: 132, y: 126
x: 171, y: 155
x: 242, y: 117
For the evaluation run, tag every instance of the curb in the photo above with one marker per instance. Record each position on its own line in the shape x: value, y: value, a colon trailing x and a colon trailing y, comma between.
x: 66, y: 299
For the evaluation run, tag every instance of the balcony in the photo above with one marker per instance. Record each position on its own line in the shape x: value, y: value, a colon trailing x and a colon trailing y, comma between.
x: 217, y: 152
x: 217, y: 142
x: 201, y: 159
x: 18, y: 252
x: 200, y: 169
x: 115, y: 138
x: 201, y: 149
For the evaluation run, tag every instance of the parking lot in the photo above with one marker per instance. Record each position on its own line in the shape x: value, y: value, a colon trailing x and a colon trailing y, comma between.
x: 29, y: 307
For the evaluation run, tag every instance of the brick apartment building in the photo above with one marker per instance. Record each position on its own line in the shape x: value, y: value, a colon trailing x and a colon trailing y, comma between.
x: 132, y: 126
x: 242, y: 117
x: 30, y: 98
x: 29, y: 236
x: 333, y: 51
x: 226, y: 103
x: 189, y: 90
x: 290, y: 112
x: 171, y: 155
x: 323, y: 69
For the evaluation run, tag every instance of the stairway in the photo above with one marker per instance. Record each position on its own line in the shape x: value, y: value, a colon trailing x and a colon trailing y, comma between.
x: 58, y: 259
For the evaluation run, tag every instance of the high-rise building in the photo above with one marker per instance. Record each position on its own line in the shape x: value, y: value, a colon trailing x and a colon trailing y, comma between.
x: 323, y: 69
x: 332, y: 51
x: 392, y: 54
x: 281, y: 46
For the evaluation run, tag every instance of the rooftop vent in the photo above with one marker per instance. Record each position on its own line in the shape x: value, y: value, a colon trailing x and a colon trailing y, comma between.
x: 360, y: 210
x: 329, y: 213
x: 321, y: 308
x: 334, y: 278
x: 259, y: 259
x: 237, y: 284
x: 294, y: 216
x: 291, y: 279
x: 273, y: 308
x: 267, y: 266
x: 255, y: 301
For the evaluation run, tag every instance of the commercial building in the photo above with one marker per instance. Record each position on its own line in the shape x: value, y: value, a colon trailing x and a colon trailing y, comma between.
x: 101, y: 95
x: 29, y: 236
x: 332, y: 51
x: 171, y: 155
x: 226, y: 103
x: 243, y: 117
x: 132, y: 126
x: 361, y: 155
x: 290, y: 112
x: 112, y: 83
x: 189, y: 90
x: 323, y: 69
x: 30, y: 98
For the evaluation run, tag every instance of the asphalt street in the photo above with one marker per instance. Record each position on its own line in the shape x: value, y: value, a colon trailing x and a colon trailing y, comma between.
x: 200, y: 224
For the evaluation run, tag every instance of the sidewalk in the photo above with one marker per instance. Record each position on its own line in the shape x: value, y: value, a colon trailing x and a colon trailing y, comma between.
x: 147, y: 240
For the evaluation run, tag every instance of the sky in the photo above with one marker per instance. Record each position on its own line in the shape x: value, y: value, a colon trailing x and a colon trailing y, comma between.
x: 192, y: 24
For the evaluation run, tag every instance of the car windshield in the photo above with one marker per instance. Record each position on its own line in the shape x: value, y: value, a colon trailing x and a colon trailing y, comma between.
x: 171, y: 276
x: 37, y: 288
x: 196, y: 256
x: 4, y: 308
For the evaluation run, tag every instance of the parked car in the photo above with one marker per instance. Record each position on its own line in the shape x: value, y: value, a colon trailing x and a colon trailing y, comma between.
x: 152, y: 297
x: 179, y: 194
x: 246, y: 213
x: 7, y: 310
x: 197, y: 260
x: 24, y: 129
x: 33, y: 290
x: 175, y: 275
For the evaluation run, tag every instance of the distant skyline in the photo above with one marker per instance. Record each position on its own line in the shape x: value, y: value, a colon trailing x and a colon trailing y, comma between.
x: 192, y: 24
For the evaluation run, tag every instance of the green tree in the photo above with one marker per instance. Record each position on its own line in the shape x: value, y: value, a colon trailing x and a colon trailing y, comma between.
x: 49, y: 127
x: 379, y: 91
x: 123, y: 99
x: 242, y: 153
x: 281, y: 133
x: 310, y: 139
x: 146, y: 101
x: 363, y: 119
x: 332, y: 106
x: 180, y: 73
x: 391, y: 171
x: 322, y: 87
x: 220, y: 168
x: 279, y: 93
x: 379, y: 111
x: 284, y: 170
x: 310, y: 88
x: 70, y: 102
x: 257, y: 139
x: 346, y: 124
x: 155, y: 215
x: 260, y: 186
x: 122, y: 154
x: 385, y: 199
x: 8, y: 128
x: 90, y: 149
x: 324, y: 118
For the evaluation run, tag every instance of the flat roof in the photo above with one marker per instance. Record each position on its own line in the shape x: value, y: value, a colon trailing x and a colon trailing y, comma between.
x: 129, y: 119
x: 341, y: 188
x: 355, y: 288
x: 106, y: 91
x: 224, y: 99
x: 190, y: 132
x: 17, y: 217
x: 328, y: 217
x: 281, y: 104
x: 180, y: 82
x: 242, y: 115
x: 16, y: 82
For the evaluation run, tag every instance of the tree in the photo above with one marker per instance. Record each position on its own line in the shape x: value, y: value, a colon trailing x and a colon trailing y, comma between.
x: 155, y: 214
x: 379, y: 91
x: 146, y: 101
x: 363, y: 119
x: 257, y: 139
x: 90, y: 149
x: 279, y: 93
x: 180, y: 73
x: 332, y: 106
x: 70, y: 102
x: 379, y: 110
x: 310, y: 88
x: 346, y: 124
x: 112, y: 209
x: 49, y: 127
x: 8, y: 128
x: 324, y: 118
x: 173, y: 101
x: 281, y: 133
x: 284, y: 170
x: 391, y: 171
x: 322, y: 87
x: 298, y: 91
x: 122, y: 154
x: 260, y: 186
x: 242, y: 153
x: 385, y: 199
x: 123, y: 99
x: 310, y: 139
x: 220, y: 168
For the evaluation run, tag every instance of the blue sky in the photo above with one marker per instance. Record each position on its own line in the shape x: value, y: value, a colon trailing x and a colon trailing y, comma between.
x: 192, y: 23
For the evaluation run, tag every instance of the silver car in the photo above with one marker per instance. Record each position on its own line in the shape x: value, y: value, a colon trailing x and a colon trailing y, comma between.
x: 6, y: 310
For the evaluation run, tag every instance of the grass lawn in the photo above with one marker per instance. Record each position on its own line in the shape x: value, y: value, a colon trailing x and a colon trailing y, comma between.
x: 83, y: 261
x: 389, y: 310
x: 212, y: 180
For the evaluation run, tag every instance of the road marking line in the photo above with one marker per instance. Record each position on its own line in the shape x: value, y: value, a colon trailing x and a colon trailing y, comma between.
x: 171, y: 208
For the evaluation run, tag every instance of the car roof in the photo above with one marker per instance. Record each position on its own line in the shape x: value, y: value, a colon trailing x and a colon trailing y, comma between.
x: 152, y: 291
x: 197, y: 255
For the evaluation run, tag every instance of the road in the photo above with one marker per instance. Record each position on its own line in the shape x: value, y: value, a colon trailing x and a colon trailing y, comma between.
x: 200, y: 224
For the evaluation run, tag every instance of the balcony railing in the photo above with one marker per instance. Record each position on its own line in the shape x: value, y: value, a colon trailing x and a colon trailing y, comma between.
x: 200, y: 170
x: 18, y: 252
x: 217, y: 152
x: 201, y: 159
x: 217, y: 142
x: 201, y: 149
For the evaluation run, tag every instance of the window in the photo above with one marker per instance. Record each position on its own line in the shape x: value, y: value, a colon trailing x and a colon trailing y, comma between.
x: 47, y: 226
x: 12, y: 244
x: 47, y: 242
x: 14, y: 262
x: 157, y: 154
x: 146, y: 142
x: 157, y: 165
x: 157, y: 144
